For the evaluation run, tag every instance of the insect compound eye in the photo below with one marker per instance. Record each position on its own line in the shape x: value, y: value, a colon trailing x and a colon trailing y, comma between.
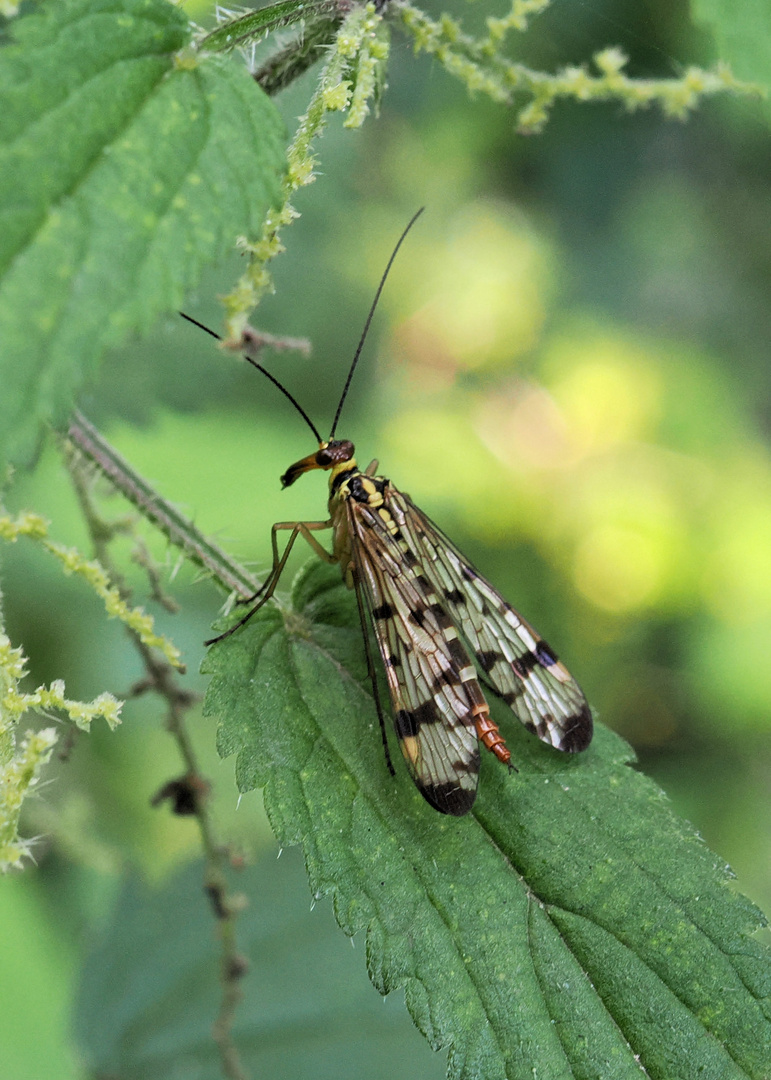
x: 327, y: 456
x: 335, y: 452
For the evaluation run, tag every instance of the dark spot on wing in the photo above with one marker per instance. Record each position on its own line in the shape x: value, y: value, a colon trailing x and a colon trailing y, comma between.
x: 449, y: 798
x: 426, y: 713
x: 457, y: 652
x: 447, y: 678
x: 544, y: 723
x: 524, y: 664
x: 384, y: 611
x: 408, y: 723
x: 545, y: 654
x: 488, y: 658
x: 454, y: 596
x: 404, y: 724
x: 442, y: 618
x: 578, y: 731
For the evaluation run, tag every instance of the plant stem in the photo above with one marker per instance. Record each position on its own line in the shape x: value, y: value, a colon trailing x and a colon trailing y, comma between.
x: 163, y: 679
x: 289, y: 63
x: 178, y: 529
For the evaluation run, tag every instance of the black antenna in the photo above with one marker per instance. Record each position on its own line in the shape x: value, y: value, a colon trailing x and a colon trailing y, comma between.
x: 266, y: 373
x: 363, y: 338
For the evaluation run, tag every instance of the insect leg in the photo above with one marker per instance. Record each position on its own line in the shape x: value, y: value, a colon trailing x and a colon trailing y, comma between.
x: 268, y: 587
x: 304, y: 527
x: 307, y: 528
x: 371, y: 671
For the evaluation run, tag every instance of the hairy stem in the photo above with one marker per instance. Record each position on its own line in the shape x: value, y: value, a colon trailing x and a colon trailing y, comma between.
x: 175, y: 526
x: 161, y: 677
x: 289, y: 63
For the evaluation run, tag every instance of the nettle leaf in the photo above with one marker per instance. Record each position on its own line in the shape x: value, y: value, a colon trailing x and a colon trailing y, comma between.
x: 149, y: 992
x: 124, y: 170
x: 571, y: 926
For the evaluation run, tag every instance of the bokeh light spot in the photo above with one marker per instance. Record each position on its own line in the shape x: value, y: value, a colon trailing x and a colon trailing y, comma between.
x: 617, y: 568
x: 490, y: 277
x: 608, y: 388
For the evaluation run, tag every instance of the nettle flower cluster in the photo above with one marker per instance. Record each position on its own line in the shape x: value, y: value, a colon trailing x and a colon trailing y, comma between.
x: 353, y: 40
x: 24, y: 754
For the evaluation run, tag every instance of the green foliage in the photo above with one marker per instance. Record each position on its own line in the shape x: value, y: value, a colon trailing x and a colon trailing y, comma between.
x: 131, y: 161
x: 22, y: 759
x: 307, y: 1009
x: 36, y: 983
x: 570, y: 923
x: 571, y: 926
x: 253, y: 24
x: 484, y: 68
x: 741, y: 34
x: 72, y: 562
x: 352, y: 75
x: 125, y: 169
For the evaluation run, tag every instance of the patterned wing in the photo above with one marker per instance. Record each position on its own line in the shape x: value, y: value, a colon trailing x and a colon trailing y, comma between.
x: 518, y: 663
x: 432, y: 682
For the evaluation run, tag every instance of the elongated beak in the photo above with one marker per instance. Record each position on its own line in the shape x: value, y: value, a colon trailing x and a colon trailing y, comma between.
x: 299, y: 467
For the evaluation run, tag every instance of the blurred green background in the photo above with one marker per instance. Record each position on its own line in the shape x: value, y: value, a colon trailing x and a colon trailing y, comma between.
x: 569, y: 372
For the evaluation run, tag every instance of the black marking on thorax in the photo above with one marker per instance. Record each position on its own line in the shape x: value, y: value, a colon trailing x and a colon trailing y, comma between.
x: 342, y: 477
x: 360, y: 487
